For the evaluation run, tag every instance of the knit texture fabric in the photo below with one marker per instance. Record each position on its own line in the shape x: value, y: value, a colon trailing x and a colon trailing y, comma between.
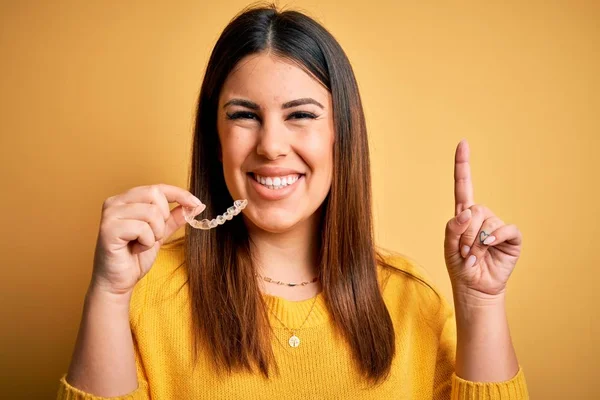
x: 321, y: 367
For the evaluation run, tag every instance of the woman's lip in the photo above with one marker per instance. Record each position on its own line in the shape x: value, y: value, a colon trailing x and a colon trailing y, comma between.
x: 274, y: 194
x: 274, y: 171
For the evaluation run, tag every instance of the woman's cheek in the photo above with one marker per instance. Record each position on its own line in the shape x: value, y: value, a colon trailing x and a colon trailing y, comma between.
x: 318, y: 147
x: 239, y: 144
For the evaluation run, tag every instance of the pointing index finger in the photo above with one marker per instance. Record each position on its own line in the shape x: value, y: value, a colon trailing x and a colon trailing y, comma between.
x: 463, y: 186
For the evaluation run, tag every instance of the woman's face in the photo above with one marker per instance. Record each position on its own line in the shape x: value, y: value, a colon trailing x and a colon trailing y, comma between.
x: 276, y: 131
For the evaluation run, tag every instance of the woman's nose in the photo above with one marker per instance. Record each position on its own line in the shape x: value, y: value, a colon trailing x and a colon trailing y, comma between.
x: 273, y: 139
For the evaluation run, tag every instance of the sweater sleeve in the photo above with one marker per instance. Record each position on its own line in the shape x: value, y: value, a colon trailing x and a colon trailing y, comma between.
x: 138, y: 301
x: 449, y: 386
x: 68, y: 392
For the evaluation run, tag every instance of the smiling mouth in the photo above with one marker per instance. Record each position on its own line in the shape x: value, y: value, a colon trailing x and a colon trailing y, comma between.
x: 276, y: 182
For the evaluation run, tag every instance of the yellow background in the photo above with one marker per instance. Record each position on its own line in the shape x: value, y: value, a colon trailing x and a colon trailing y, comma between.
x: 98, y: 97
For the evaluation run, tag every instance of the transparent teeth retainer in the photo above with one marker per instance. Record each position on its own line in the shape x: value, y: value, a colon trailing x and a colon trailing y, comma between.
x: 205, y: 224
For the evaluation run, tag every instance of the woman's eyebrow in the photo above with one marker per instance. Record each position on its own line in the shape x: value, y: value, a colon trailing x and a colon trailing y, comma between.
x: 299, y: 102
x: 253, y: 106
x: 244, y: 103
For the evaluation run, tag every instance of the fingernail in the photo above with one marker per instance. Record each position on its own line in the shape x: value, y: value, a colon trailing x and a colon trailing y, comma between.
x: 464, y: 216
x: 489, y: 240
x: 465, y: 250
x: 470, y: 261
x: 196, y: 200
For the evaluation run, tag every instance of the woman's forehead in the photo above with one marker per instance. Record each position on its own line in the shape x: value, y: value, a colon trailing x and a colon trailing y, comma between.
x: 268, y: 80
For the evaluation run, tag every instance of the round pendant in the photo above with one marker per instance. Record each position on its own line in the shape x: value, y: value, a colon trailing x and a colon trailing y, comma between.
x: 294, y: 341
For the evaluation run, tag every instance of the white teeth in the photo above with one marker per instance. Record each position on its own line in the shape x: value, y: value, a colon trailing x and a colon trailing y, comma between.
x: 276, y: 182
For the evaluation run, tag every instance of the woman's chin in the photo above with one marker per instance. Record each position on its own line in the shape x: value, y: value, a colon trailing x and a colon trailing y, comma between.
x: 272, y: 224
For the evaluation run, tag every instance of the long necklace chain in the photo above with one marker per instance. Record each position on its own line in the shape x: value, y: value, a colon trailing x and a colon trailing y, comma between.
x: 267, y: 279
x: 294, y: 341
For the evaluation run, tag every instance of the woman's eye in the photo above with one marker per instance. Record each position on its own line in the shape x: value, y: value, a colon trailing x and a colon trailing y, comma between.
x: 302, y: 115
x: 251, y: 115
x: 242, y: 115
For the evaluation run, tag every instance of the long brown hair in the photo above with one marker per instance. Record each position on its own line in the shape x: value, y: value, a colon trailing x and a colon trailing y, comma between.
x: 229, y: 314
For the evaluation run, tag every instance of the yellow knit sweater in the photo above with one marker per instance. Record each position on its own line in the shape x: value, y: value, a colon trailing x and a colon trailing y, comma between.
x: 320, y: 368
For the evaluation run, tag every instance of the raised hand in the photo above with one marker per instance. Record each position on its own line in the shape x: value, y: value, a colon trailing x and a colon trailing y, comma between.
x: 134, y: 225
x: 480, y: 250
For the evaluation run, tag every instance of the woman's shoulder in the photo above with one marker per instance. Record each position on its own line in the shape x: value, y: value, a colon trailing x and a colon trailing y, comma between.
x: 406, y: 281
x: 402, y: 264
x: 392, y: 263
x: 166, y: 278
x: 174, y: 245
x: 169, y: 259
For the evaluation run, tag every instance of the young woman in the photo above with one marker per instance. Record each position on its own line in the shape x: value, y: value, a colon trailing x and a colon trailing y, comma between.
x: 289, y: 299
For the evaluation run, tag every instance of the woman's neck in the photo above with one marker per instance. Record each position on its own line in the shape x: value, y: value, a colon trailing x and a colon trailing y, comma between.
x: 290, y: 257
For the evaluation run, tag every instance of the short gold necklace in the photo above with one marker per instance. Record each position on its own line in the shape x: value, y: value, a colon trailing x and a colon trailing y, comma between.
x: 267, y: 279
x: 294, y: 341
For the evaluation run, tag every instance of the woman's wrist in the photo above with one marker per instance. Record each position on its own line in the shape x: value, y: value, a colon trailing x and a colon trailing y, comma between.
x: 468, y: 298
x: 97, y: 294
x: 484, y: 351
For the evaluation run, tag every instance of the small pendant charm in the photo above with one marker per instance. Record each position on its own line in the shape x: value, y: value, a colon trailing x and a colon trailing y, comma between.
x: 294, y: 341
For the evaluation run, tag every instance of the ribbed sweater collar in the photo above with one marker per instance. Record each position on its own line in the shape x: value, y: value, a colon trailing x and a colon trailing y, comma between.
x: 293, y: 313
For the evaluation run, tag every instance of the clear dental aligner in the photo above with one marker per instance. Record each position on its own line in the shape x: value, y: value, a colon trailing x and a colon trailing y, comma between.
x: 205, y: 224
